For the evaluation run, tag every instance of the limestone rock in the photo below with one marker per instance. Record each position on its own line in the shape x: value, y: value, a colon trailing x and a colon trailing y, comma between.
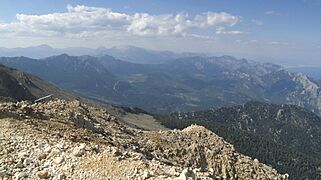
x: 43, y: 174
x: 58, y: 160
x: 78, y: 152
x: 27, y: 161
x: 187, y: 174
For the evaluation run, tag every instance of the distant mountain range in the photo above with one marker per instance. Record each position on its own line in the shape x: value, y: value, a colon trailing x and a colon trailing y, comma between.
x: 184, y: 84
x: 126, y: 53
x: 287, y: 137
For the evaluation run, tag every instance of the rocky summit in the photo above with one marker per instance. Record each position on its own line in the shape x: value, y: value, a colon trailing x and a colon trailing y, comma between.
x: 61, y: 139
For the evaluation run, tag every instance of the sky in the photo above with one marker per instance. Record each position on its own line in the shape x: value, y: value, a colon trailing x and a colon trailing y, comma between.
x: 283, y: 31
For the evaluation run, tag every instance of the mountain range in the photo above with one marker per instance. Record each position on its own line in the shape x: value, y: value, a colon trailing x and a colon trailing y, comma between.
x: 184, y: 84
x: 127, y: 53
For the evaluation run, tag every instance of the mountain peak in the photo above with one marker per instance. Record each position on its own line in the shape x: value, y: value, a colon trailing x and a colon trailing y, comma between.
x: 61, y: 56
x: 43, y: 46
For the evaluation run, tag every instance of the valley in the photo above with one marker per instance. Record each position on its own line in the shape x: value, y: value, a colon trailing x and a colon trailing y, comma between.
x: 185, y: 84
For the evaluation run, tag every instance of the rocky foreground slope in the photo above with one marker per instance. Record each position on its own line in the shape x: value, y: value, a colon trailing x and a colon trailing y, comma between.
x: 69, y: 140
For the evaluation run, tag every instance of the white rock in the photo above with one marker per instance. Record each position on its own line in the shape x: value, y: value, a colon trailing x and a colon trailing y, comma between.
x: 47, y: 149
x: 46, y: 164
x: 78, y: 152
x: 20, y: 175
x: 58, y: 160
x: 146, y: 174
x: 55, y: 151
x: 23, y: 154
x: 82, y: 146
x: 27, y: 161
x: 187, y: 174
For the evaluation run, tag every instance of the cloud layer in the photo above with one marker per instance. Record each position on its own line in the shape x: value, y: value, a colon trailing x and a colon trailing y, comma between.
x: 84, y: 21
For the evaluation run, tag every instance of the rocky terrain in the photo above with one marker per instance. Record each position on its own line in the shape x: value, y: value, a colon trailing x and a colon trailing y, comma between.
x: 61, y: 139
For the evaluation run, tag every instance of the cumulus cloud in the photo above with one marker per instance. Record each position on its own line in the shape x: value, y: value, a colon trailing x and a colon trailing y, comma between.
x: 168, y: 24
x: 216, y: 19
x: 84, y: 21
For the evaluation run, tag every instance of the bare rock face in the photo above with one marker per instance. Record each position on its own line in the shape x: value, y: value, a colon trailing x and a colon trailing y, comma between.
x: 69, y: 140
x: 198, y: 148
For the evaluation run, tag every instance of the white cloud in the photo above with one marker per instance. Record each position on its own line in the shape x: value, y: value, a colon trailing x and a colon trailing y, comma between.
x: 254, y: 41
x: 216, y: 19
x: 246, y: 42
x: 273, y: 13
x: 83, y: 21
x: 168, y: 24
x: 257, y: 22
x: 278, y: 43
x: 221, y: 30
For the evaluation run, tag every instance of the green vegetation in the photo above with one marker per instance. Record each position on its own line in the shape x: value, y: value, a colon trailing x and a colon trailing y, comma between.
x: 278, y: 135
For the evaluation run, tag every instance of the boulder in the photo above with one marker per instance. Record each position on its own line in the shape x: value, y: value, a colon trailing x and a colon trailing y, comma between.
x: 43, y: 174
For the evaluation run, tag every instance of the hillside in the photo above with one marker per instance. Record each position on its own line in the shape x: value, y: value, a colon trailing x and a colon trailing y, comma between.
x: 68, y: 139
x: 185, y: 84
x: 285, y: 136
x: 18, y: 85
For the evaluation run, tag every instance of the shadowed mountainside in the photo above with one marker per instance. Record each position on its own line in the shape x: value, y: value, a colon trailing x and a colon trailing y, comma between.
x: 285, y: 136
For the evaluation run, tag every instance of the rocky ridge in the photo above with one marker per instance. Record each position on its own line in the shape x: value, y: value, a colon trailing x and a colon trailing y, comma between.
x: 18, y: 85
x: 62, y: 139
x: 307, y: 93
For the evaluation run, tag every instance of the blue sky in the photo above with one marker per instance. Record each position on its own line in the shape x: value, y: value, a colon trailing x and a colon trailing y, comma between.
x: 283, y: 31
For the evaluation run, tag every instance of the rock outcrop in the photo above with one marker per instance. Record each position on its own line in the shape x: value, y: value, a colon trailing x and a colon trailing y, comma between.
x: 70, y: 140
